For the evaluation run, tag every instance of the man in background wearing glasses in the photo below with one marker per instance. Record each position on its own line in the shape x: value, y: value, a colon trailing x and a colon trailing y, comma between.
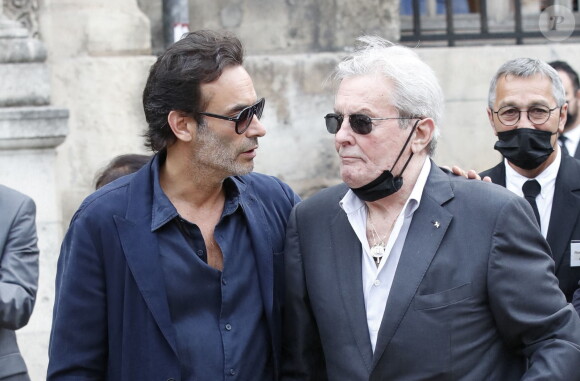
x: 406, y: 272
x: 527, y: 111
x: 175, y: 272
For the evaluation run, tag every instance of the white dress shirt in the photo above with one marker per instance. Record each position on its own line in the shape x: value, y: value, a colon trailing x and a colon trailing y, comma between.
x: 573, y: 137
x: 377, y: 281
x: 547, y: 179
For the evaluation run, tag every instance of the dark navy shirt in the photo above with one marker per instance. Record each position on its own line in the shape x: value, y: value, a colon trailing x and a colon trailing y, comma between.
x: 218, y: 316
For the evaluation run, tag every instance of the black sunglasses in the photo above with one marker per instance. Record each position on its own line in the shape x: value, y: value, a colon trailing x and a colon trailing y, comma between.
x: 360, y: 123
x: 244, y: 118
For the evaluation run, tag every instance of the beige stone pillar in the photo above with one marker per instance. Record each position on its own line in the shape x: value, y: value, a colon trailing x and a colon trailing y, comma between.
x: 30, y: 130
x: 99, y: 54
x: 10, y: 28
x: 28, y: 138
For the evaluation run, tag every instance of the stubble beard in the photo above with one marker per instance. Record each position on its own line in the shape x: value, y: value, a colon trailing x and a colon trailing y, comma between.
x: 219, y: 154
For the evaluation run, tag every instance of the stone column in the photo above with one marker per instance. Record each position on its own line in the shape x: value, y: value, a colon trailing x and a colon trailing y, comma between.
x: 30, y: 130
x: 9, y: 27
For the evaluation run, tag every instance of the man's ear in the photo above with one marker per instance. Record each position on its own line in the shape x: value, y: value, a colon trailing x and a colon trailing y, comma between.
x: 563, y: 117
x: 490, y: 117
x: 423, y: 134
x: 182, y: 125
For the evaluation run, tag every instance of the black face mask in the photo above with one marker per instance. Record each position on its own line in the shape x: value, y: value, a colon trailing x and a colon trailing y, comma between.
x: 526, y: 148
x: 386, y: 184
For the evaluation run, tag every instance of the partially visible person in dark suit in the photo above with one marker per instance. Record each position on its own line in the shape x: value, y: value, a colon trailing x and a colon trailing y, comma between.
x: 571, y: 137
x: 576, y: 299
x: 528, y: 111
x: 120, y: 166
x: 18, y: 277
x: 176, y: 271
x: 405, y: 271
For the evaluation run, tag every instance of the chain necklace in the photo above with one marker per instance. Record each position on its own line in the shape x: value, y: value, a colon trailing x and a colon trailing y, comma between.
x: 379, y: 249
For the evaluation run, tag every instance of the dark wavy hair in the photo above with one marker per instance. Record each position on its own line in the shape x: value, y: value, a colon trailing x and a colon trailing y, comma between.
x: 174, y: 80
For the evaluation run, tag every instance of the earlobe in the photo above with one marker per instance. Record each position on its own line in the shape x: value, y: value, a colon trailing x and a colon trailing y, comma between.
x: 180, y: 124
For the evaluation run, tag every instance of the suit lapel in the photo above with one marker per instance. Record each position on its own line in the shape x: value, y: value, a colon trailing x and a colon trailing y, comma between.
x: 347, y: 253
x: 565, y: 207
x: 142, y: 254
x: 263, y: 249
x: 141, y: 249
x: 428, y: 227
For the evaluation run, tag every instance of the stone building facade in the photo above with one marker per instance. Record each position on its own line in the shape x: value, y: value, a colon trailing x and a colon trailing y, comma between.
x: 71, y: 100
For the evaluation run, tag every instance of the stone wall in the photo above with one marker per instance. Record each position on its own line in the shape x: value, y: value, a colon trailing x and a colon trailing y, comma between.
x: 297, y: 26
x: 98, y: 72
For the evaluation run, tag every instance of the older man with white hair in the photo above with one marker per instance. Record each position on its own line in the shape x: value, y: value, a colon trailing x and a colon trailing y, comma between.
x: 406, y: 272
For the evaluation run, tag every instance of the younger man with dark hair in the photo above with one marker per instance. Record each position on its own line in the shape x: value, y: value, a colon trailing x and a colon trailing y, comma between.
x: 175, y: 272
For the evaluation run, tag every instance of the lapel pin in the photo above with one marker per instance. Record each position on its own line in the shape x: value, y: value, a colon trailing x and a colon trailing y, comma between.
x: 436, y: 224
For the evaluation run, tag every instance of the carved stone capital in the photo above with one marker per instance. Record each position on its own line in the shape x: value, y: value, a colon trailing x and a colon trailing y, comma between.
x: 24, y: 12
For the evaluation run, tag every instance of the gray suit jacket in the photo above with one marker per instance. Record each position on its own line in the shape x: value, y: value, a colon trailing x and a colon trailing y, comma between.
x: 474, y: 297
x: 18, y: 274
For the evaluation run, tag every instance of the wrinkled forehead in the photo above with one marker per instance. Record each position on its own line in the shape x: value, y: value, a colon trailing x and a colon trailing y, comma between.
x: 372, y: 91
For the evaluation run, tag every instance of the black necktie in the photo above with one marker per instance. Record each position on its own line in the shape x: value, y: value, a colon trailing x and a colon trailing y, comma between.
x: 562, y: 140
x: 531, y: 189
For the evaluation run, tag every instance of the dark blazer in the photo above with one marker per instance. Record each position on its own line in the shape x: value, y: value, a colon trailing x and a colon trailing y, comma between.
x: 474, y: 295
x: 577, y: 153
x: 18, y: 274
x: 576, y: 300
x: 564, y: 221
x: 111, y: 317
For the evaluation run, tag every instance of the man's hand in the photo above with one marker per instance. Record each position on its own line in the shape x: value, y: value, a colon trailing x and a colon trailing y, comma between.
x: 471, y: 174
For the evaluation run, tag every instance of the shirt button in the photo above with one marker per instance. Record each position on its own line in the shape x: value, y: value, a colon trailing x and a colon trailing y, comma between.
x: 228, y: 327
x: 232, y: 372
x: 224, y: 282
x: 200, y: 253
x: 377, y: 283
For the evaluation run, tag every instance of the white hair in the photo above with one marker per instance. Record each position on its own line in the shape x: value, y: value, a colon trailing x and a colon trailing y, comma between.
x: 417, y: 92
